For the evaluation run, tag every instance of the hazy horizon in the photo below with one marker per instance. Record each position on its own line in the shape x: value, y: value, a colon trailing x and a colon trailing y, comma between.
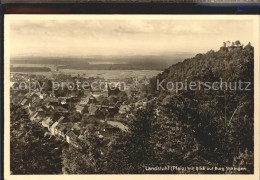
x: 122, y: 38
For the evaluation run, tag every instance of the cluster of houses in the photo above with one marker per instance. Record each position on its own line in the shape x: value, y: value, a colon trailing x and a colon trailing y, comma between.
x: 52, y: 112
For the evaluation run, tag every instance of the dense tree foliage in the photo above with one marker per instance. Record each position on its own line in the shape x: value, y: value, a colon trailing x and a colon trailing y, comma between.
x: 32, y: 152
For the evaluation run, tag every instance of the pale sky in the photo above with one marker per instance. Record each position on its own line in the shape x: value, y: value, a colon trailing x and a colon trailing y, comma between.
x: 123, y: 37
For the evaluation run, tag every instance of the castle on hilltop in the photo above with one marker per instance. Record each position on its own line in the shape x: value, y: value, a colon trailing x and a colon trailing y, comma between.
x: 234, y: 45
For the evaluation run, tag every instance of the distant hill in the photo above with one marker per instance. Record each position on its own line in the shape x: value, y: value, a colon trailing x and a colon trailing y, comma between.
x: 134, y: 62
x: 30, y: 69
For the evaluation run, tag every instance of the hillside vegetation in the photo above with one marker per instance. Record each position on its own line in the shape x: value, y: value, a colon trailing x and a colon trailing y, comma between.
x: 184, y: 129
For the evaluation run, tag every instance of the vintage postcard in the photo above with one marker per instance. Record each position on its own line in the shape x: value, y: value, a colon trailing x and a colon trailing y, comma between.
x: 131, y: 96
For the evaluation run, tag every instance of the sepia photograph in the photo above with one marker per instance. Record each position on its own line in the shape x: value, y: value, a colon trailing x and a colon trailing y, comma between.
x: 131, y: 95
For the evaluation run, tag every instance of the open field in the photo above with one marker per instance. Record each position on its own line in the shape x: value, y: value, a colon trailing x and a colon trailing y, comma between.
x: 107, y: 74
x: 112, y: 74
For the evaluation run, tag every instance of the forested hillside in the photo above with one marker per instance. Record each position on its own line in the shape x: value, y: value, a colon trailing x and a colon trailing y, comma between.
x: 185, y: 129
x: 210, y: 67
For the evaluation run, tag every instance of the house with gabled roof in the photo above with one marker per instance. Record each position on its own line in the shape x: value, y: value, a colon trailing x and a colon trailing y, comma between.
x: 61, y: 119
x: 71, y: 137
x: 25, y: 102
x: 33, y: 117
x: 60, y: 130
x: 88, y: 99
x: 92, y: 109
x: 40, y: 109
x: 47, y: 122
x: 84, y: 100
x: 63, y: 100
x: 79, y: 108
x: 53, y: 127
